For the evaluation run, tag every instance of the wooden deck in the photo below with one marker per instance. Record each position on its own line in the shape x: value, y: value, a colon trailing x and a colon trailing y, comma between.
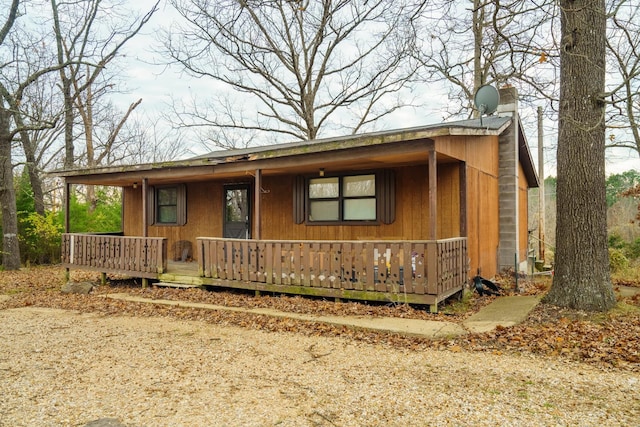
x: 419, y: 272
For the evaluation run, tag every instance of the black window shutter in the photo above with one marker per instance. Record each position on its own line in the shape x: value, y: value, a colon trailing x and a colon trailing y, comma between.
x: 298, y: 199
x: 386, y: 183
x: 182, y: 204
x: 151, y: 205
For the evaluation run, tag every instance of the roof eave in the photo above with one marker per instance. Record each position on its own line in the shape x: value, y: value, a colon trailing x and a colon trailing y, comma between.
x: 461, y: 128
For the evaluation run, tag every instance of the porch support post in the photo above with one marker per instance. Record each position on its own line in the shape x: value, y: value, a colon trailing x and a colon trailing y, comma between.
x: 433, y: 195
x: 66, y: 207
x: 145, y: 219
x: 145, y: 208
x: 67, y: 200
x: 432, y: 246
x: 257, y: 193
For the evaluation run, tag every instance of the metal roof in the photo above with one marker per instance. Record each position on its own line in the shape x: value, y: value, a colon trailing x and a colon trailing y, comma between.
x: 490, y: 125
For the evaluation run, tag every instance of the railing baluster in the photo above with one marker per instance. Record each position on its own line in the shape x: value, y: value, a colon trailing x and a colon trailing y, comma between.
x: 335, y: 274
x: 346, y: 266
x: 381, y: 263
x: 407, y: 268
x: 296, y: 255
x: 412, y: 267
x: 252, y: 261
x: 306, y: 267
x: 262, y: 261
x: 269, y: 261
x: 315, y: 263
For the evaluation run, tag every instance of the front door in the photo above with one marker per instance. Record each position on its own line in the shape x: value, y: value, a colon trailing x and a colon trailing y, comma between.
x: 237, y: 211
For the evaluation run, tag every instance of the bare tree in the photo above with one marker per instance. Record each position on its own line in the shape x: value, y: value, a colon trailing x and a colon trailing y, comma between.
x: 581, y: 279
x: 512, y: 44
x: 89, y: 38
x: 623, y: 43
x: 40, y: 108
x: 148, y: 140
x: 298, y: 67
x: 18, y: 74
x: 27, y: 61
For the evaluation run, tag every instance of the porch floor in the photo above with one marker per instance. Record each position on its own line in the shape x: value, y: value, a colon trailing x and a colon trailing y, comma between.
x: 182, y: 267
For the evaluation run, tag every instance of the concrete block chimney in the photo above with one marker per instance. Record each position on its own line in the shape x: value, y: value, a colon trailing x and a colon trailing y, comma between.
x: 508, y: 161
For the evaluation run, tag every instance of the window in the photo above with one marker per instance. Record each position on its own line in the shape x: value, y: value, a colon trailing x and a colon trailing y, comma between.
x: 368, y: 198
x: 343, y: 198
x: 168, y: 205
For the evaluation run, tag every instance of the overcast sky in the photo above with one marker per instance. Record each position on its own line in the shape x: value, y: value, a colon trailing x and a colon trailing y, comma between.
x: 157, y: 85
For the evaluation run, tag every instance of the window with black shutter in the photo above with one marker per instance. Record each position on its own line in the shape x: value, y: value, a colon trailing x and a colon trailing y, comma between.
x: 167, y: 205
x: 361, y: 198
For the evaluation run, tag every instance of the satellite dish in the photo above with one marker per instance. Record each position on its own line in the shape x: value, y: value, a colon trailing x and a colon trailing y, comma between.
x: 486, y: 100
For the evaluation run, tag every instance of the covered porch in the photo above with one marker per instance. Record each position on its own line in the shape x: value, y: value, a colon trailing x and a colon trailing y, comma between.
x: 396, y: 216
x: 416, y: 272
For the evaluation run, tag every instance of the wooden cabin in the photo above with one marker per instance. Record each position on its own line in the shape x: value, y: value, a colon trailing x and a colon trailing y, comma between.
x: 404, y: 215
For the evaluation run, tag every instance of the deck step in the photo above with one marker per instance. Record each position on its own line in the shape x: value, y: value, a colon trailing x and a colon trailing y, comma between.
x: 177, y: 285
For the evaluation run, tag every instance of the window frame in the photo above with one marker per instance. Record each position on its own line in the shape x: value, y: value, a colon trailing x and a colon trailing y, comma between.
x: 181, y: 205
x: 341, y: 200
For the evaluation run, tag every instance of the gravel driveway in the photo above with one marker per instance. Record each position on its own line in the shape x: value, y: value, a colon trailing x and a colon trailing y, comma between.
x: 60, y: 368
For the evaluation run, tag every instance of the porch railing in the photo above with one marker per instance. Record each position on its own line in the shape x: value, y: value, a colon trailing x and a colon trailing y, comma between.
x: 433, y: 267
x: 137, y: 256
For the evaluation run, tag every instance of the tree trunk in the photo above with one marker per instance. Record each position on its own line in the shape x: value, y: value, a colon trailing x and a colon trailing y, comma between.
x: 68, y: 121
x: 34, y: 176
x: 581, y: 279
x: 10, y: 248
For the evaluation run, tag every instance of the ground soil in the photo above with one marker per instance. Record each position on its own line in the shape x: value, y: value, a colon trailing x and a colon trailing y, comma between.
x: 70, y: 359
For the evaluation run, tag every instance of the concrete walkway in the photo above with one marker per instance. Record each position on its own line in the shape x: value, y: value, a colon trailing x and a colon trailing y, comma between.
x: 626, y: 291
x: 505, y: 311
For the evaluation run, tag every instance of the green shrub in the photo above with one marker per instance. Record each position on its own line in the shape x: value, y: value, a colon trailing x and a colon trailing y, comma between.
x: 40, y: 239
x: 617, y: 260
x: 633, y: 249
x: 616, y: 241
x: 106, y: 217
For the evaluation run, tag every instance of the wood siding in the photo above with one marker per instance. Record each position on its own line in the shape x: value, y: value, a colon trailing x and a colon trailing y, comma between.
x: 205, y: 207
x: 482, y: 222
x: 479, y: 152
x: 481, y: 157
x: 204, y: 216
x: 412, y: 210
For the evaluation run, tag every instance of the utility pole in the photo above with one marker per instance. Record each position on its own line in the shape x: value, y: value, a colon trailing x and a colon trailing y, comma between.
x: 541, y: 209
